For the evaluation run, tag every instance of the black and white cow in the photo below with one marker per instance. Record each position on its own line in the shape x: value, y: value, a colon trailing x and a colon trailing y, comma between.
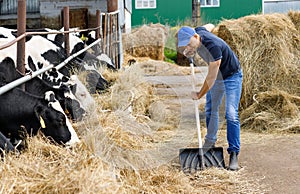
x: 39, y: 53
x: 89, y: 38
x: 20, y: 109
x: 37, y: 86
x: 51, y: 51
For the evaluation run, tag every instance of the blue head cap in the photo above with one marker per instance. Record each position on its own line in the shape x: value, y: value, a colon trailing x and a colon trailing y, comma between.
x: 184, y: 35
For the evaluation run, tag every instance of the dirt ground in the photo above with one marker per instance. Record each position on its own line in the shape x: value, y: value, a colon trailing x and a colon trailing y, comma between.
x: 270, y: 159
x: 274, y: 158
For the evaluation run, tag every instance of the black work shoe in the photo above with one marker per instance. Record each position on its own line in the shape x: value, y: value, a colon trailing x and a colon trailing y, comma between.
x: 233, y: 161
x: 208, y: 145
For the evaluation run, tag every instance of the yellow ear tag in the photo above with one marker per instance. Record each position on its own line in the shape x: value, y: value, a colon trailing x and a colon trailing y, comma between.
x: 83, y: 38
x: 42, y: 123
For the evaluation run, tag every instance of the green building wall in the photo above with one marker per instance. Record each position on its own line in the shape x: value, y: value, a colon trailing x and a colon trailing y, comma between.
x: 172, y: 12
x: 167, y: 12
x: 230, y: 9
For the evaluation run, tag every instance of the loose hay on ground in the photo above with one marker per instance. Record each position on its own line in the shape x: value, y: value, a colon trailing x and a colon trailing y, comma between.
x: 46, y: 168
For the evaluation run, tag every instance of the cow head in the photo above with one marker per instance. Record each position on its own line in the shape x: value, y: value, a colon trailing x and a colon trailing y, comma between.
x: 54, y: 122
x: 71, y: 104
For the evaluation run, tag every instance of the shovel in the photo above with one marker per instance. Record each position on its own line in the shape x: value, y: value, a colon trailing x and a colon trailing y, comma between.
x: 194, y: 159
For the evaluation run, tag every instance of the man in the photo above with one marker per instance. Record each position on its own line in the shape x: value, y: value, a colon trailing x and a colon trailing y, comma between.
x: 224, y: 77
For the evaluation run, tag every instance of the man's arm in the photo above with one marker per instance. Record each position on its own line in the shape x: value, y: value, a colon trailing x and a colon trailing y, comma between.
x: 209, y: 27
x: 210, y: 79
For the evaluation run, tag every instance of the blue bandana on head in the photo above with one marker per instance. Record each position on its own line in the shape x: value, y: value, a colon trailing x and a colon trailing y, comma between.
x: 184, y: 35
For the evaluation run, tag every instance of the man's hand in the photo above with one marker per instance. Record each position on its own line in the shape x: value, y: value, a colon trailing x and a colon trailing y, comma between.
x: 194, y: 95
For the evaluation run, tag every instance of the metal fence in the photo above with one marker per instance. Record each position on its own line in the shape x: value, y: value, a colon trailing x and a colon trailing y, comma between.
x: 109, y: 37
x: 8, y: 7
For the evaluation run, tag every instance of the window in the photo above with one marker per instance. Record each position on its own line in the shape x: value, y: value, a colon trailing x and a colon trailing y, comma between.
x: 209, y: 3
x: 145, y: 4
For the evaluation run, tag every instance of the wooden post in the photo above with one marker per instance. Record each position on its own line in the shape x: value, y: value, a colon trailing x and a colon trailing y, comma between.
x: 196, y: 12
x: 21, y: 25
x: 117, y: 41
x: 112, y: 5
x: 67, y: 28
x: 98, y: 23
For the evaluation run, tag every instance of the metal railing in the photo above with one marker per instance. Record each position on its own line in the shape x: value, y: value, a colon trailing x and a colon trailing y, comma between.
x: 109, y: 38
x: 26, y: 78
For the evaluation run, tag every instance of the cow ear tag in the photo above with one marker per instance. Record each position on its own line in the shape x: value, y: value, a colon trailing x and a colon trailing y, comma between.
x: 43, y: 125
x: 83, y: 38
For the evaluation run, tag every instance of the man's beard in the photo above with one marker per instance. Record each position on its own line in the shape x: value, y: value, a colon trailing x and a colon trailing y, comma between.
x: 189, y: 54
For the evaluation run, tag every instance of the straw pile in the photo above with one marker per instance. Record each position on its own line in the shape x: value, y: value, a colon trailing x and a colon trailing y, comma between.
x: 146, y: 41
x: 295, y: 17
x: 268, y: 47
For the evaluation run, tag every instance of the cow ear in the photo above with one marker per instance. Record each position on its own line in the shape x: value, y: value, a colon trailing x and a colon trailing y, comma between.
x: 39, y: 111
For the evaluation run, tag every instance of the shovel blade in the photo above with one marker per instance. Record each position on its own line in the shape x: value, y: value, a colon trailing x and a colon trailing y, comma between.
x: 191, y: 159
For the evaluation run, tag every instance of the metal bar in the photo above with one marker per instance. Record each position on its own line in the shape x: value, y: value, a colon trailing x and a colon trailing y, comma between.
x: 104, y: 34
x: 101, y: 33
x: 22, y: 80
x: 111, y: 13
x: 21, y: 30
x: 66, y: 28
x: 108, y: 35
x: 117, y: 41
x: 111, y: 30
x: 120, y: 54
x: 116, y: 44
x: 40, y: 33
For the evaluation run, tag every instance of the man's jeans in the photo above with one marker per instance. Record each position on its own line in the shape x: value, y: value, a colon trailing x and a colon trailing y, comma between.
x: 231, y: 87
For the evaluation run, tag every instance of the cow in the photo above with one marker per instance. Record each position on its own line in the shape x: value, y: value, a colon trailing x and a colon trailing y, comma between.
x: 20, y: 109
x: 82, y: 93
x: 48, y: 53
x: 52, y: 52
x: 37, y: 86
x: 39, y: 53
x: 89, y: 38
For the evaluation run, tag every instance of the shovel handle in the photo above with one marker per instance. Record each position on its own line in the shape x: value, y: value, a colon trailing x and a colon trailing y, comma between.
x: 196, y: 103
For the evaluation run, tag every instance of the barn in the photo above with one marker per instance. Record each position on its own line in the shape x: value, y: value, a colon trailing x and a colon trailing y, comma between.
x: 154, y: 11
x: 49, y: 13
x: 211, y: 11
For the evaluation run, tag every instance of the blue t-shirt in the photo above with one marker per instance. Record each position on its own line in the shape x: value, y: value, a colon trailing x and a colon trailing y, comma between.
x: 214, y: 48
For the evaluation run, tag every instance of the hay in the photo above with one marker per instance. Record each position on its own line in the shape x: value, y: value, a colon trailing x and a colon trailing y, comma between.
x: 295, y: 17
x: 146, y: 41
x: 131, y: 92
x: 46, y: 168
x: 268, y: 47
x: 273, y: 110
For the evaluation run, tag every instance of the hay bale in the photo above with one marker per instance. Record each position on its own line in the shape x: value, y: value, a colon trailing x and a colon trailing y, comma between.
x: 295, y: 17
x: 146, y: 41
x: 268, y: 47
